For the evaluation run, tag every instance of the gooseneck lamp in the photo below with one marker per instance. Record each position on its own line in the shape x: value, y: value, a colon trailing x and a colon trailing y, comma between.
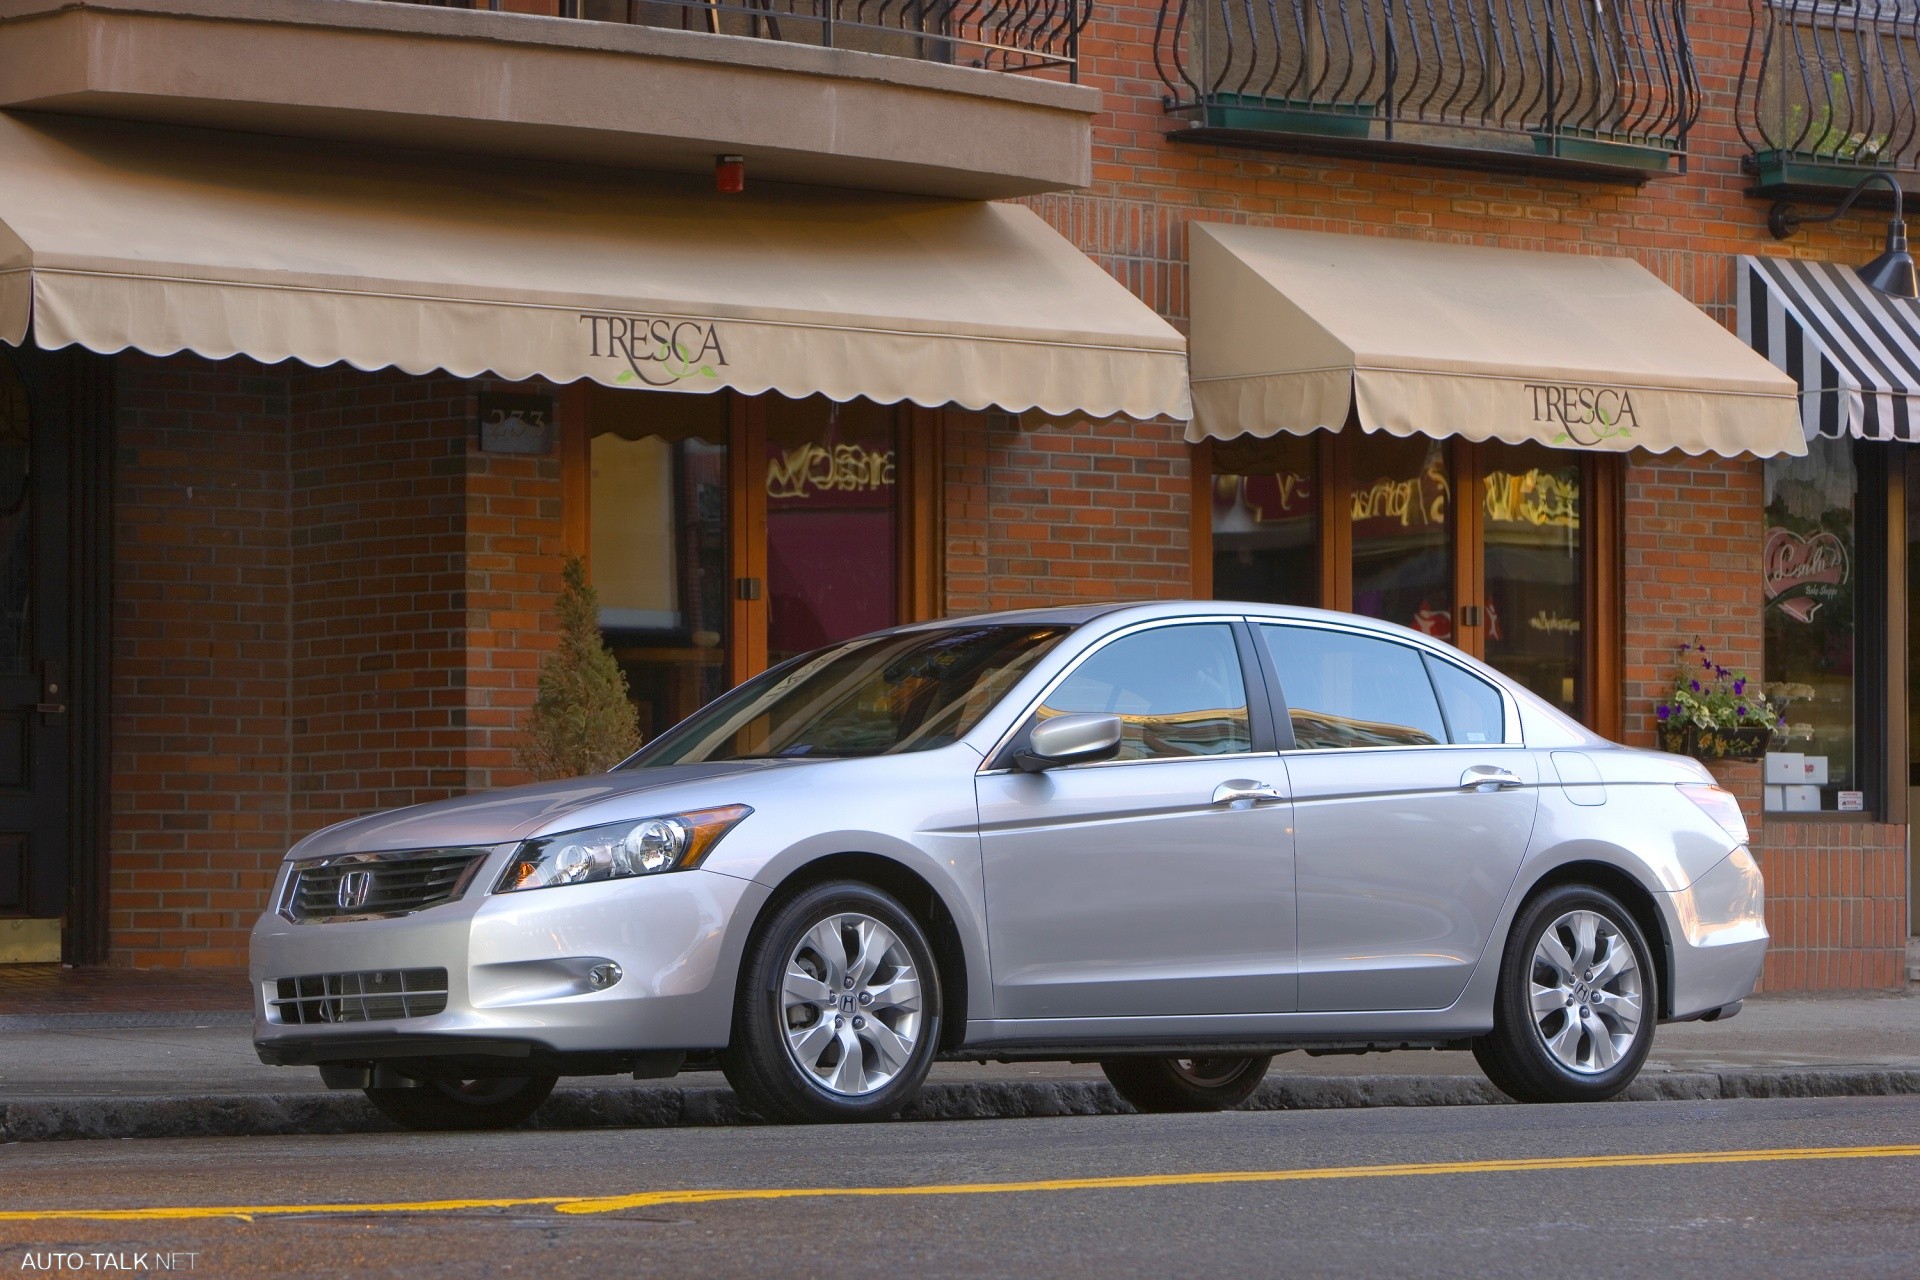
x: 1890, y: 273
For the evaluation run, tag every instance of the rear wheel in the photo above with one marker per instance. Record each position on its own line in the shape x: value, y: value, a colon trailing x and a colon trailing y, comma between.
x: 1186, y: 1084
x: 497, y: 1102
x: 838, y: 1012
x: 1578, y: 998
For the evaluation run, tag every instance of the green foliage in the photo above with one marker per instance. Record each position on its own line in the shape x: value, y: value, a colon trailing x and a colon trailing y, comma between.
x: 581, y: 721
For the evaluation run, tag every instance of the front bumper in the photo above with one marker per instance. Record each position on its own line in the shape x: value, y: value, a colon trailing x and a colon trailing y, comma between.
x: 517, y: 968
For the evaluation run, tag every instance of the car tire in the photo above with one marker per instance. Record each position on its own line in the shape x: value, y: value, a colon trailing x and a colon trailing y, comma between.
x: 1577, y: 1001
x: 837, y: 1016
x: 497, y: 1102
x: 1186, y: 1084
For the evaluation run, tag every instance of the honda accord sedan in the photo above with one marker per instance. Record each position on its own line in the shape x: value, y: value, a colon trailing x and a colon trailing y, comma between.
x: 1174, y: 838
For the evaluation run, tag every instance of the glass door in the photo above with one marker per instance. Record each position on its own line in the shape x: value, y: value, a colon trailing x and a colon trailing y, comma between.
x: 832, y: 486
x: 1402, y: 512
x: 1534, y: 576
x: 658, y: 533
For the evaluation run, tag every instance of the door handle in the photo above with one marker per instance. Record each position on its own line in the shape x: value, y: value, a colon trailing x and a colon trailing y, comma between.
x: 1246, y: 789
x: 1488, y: 777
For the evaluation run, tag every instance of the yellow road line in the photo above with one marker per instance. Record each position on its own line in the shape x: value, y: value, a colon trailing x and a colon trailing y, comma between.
x: 649, y: 1199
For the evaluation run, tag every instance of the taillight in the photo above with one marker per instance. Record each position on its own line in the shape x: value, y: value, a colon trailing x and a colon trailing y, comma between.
x: 1719, y: 804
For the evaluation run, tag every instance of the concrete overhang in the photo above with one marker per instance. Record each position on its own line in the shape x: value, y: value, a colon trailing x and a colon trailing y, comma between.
x: 516, y: 85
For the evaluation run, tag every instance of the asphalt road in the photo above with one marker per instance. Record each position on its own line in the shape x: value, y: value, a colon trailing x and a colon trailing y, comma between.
x: 1823, y: 1188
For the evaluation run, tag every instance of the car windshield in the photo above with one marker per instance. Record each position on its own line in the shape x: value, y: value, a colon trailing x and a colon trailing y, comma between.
x: 880, y: 695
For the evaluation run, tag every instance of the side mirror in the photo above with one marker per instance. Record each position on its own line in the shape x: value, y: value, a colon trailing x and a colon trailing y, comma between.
x: 1070, y: 740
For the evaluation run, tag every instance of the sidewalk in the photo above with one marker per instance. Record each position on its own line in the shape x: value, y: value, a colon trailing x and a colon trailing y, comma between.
x: 151, y: 1055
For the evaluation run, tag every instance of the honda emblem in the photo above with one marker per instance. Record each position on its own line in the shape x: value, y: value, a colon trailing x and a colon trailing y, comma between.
x: 354, y: 888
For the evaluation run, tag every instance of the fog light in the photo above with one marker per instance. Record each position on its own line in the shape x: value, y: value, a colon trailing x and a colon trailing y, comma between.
x: 602, y: 976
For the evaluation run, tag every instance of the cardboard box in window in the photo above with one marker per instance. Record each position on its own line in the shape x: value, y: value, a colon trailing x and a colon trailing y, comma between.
x: 1816, y: 770
x: 1773, y: 799
x: 1804, y: 798
x: 1785, y: 768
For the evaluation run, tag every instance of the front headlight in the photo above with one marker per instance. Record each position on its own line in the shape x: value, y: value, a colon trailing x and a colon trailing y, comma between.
x: 617, y: 850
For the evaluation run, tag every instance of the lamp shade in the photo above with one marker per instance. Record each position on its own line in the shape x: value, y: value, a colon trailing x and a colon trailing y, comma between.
x: 1892, y: 272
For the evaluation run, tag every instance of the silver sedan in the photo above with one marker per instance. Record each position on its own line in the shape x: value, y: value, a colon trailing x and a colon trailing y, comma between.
x: 1176, y: 838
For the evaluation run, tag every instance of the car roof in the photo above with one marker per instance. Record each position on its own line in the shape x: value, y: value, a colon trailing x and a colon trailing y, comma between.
x: 1143, y: 610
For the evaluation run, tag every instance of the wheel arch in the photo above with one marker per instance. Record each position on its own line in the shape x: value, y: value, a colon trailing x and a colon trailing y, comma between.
x: 914, y: 892
x: 1633, y: 895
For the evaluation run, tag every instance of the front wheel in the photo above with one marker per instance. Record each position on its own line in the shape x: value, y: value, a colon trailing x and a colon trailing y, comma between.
x: 1186, y: 1084
x: 1578, y: 998
x: 498, y: 1102
x: 838, y: 1012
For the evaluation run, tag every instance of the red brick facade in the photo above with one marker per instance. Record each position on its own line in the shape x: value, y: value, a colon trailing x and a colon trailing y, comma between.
x: 328, y: 601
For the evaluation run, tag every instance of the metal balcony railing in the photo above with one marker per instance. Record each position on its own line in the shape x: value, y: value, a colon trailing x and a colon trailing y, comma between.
x: 1601, y: 84
x: 1827, y: 90
x: 1000, y: 35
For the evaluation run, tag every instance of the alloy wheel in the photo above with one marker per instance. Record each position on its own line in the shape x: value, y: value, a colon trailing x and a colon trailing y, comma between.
x: 851, y: 1007
x: 1586, y: 992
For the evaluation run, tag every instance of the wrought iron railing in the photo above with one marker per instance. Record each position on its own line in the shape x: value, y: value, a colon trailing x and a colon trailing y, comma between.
x: 1000, y: 35
x: 1547, y: 76
x: 1827, y: 89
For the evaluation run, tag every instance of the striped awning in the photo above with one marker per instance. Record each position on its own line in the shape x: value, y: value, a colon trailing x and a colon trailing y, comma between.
x: 1854, y: 351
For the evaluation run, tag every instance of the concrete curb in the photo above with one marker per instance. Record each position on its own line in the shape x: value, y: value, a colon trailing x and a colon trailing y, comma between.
x: 268, y: 1115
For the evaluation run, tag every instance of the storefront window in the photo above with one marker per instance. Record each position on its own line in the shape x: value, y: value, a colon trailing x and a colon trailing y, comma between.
x: 658, y: 530
x: 1403, y: 532
x: 1266, y: 520
x: 832, y: 512
x: 1535, y: 593
x: 1809, y: 572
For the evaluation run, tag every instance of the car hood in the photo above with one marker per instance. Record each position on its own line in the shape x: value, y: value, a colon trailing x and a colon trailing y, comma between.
x: 496, y: 817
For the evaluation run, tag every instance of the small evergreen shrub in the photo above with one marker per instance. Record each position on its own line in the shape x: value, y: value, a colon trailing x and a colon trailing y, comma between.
x: 581, y: 721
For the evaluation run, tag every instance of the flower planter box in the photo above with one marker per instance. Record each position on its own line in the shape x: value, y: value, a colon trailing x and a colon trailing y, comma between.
x: 1590, y: 149
x: 1289, y: 115
x: 1747, y: 743
x: 1804, y: 169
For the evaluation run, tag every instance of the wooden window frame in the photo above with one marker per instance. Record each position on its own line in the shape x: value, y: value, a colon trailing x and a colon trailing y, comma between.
x: 1603, y: 696
x: 918, y: 530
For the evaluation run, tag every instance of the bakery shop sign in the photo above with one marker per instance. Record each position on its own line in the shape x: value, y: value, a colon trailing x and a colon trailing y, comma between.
x: 1583, y: 415
x: 1800, y: 572
x: 658, y: 351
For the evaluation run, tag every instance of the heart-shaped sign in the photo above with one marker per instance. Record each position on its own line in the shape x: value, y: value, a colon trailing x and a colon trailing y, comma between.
x: 1799, y: 573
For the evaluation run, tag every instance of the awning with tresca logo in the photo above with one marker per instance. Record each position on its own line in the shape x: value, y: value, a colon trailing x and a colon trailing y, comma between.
x: 167, y: 240
x: 1299, y: 331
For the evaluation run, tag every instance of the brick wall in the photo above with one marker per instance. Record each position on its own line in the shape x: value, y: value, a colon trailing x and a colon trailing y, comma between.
x: 377, y: 588
x: 326, y: 603
x: 513, y: 557
x: 201, y: 672
x: 1059, y: 513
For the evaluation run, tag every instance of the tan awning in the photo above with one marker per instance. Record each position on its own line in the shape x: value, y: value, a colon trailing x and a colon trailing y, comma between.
x: 1295, y: 331
x: 117, y: 236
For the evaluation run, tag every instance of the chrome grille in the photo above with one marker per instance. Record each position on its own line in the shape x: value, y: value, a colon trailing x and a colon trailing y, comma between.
x: 356, y: 886
x: 376, y: 995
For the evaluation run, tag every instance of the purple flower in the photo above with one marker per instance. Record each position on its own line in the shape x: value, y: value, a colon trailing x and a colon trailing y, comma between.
x: 1739, y: 687
x: 1694, y: 685
x: 1782, y: 724
x: 1740, y: 711
x: 1720, y: 671
x: 1707, y: 663
x: 1663, y: 711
